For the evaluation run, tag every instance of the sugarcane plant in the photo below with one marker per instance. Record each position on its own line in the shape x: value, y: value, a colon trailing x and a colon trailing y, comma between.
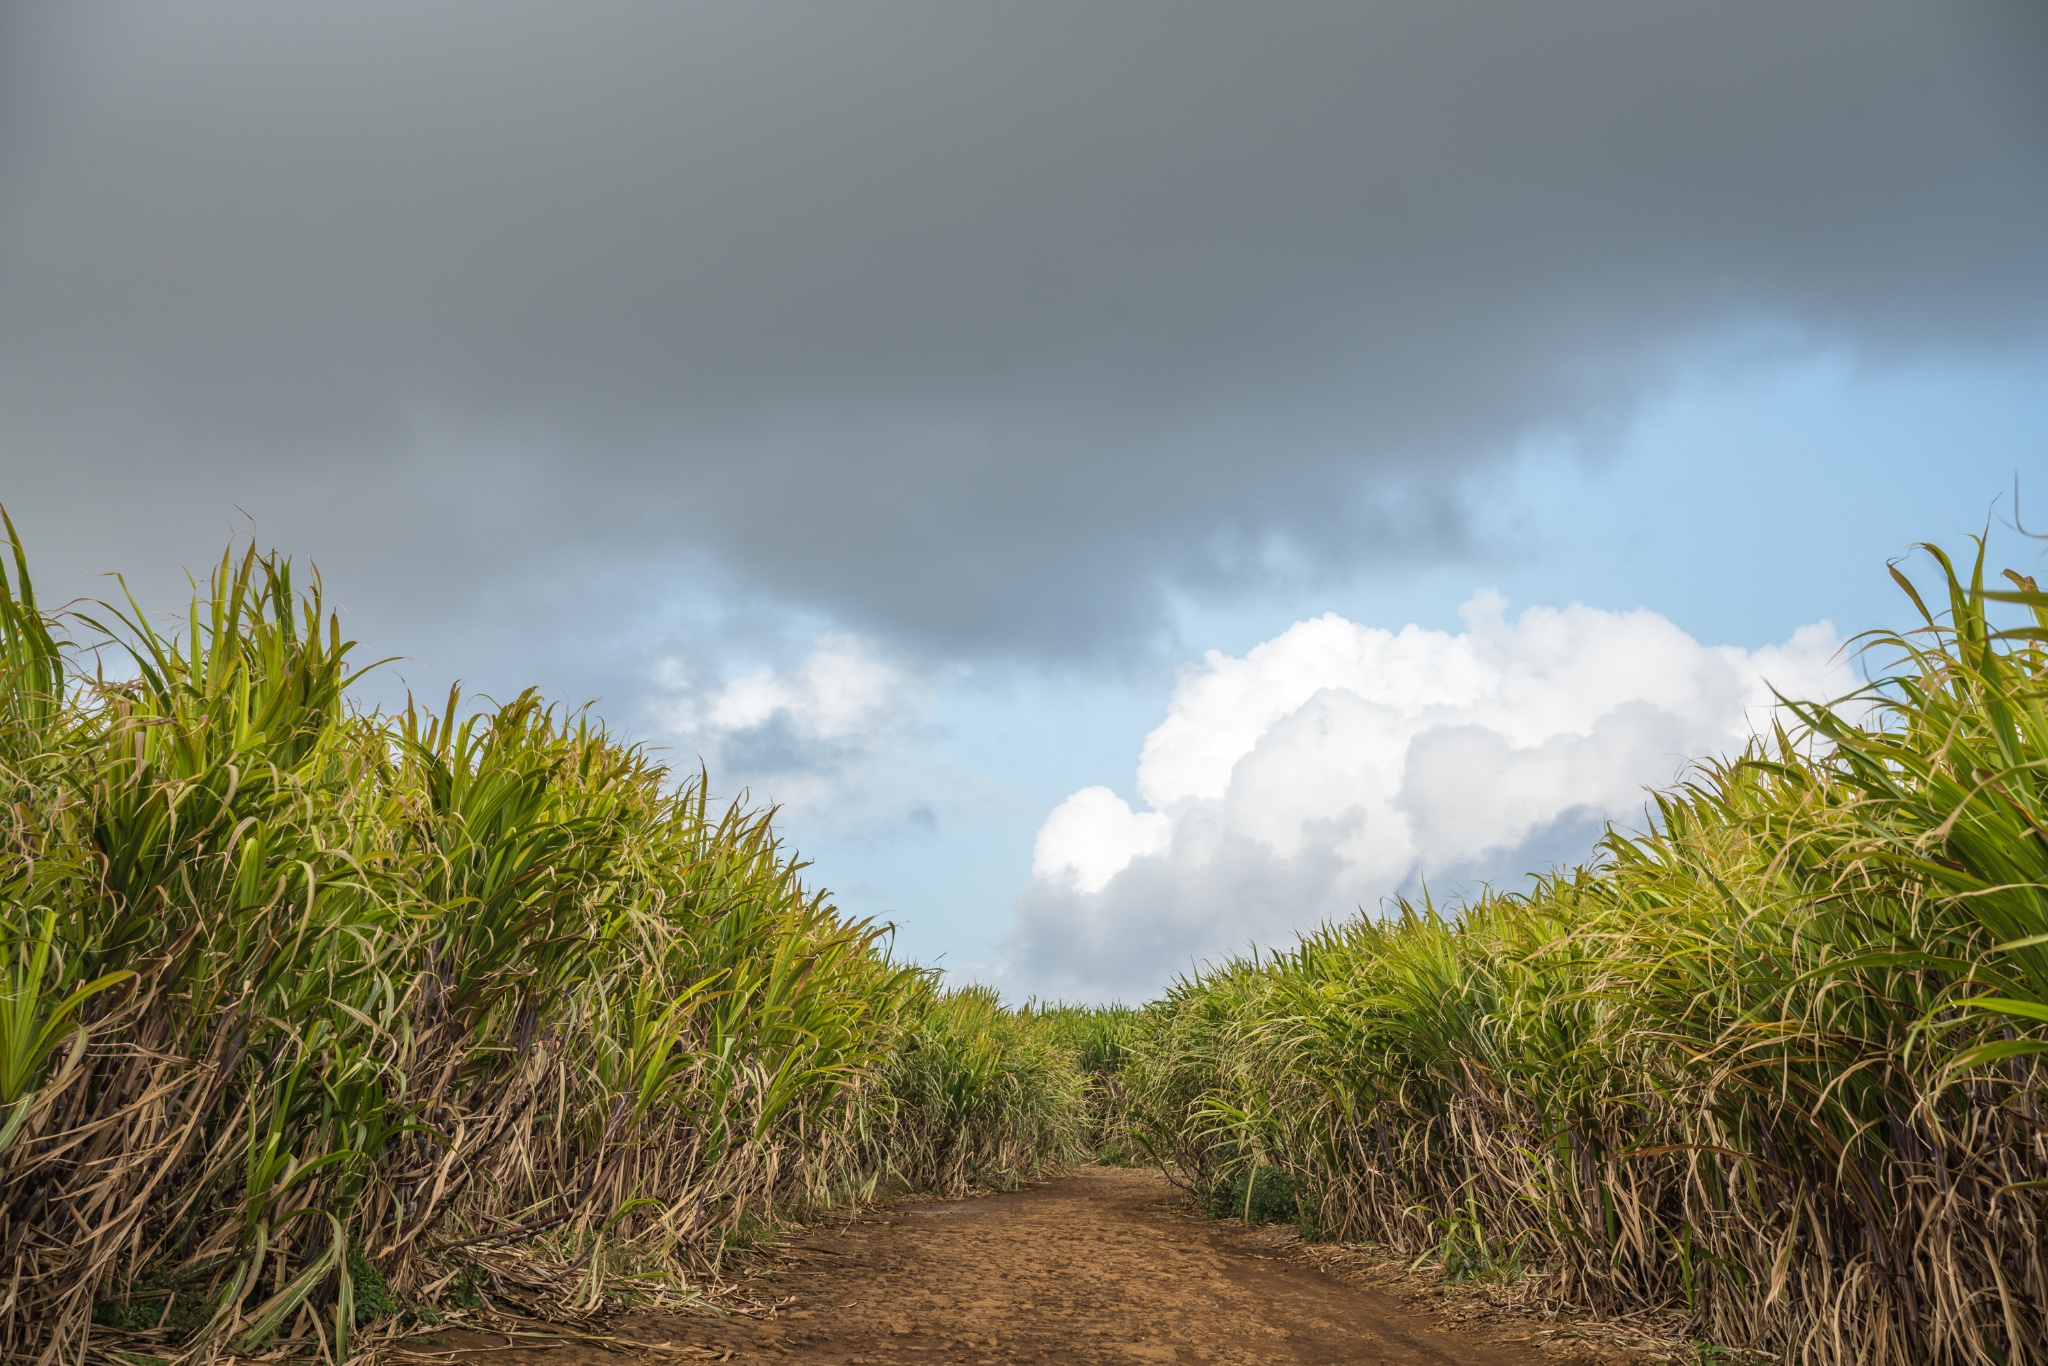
x: 1772, y: 1064
x: 312, y: 1015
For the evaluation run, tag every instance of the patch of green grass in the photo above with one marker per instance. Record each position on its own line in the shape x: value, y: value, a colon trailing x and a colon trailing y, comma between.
x: 373, y: 1297
x: 747, y: 1232
x: 177, y: 1301
x: 466, y: 1294
x: 1469, y: 1254
x: 1265, y: 1195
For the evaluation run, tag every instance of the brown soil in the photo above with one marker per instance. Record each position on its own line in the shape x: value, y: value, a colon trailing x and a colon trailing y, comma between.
x: 1104, y: 1266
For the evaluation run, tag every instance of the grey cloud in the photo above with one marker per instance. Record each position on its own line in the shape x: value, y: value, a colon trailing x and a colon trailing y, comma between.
x: 1563, y: 842
x: 983, y: 327
x: 836, y: 735
x: 1163, y: 915
x: 778, y: 747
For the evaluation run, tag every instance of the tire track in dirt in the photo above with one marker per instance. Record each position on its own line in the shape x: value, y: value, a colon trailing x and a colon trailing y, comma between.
x: 1100, y: 1268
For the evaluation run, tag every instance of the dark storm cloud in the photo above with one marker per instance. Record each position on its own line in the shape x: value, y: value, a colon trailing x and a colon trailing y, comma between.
x: 981, y: 326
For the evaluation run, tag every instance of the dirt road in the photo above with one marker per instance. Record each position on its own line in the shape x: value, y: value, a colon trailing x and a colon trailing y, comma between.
x: 1099, y: 1267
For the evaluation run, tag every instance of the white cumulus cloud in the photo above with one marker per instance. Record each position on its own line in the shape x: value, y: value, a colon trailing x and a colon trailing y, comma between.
x: 842, y: 689
x: 1092, y: 836
x: 1338, y: 764
x: 794, y: 733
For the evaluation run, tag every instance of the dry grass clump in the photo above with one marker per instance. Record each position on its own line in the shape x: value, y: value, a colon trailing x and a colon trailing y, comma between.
x: 311, y: 1016
x: 1775, y: 1065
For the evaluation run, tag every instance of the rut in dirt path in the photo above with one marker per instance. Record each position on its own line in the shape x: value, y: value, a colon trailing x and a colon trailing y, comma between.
x: 1102, y: 1266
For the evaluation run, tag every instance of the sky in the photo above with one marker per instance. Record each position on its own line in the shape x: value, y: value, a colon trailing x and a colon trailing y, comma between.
x: 1129, y: 481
